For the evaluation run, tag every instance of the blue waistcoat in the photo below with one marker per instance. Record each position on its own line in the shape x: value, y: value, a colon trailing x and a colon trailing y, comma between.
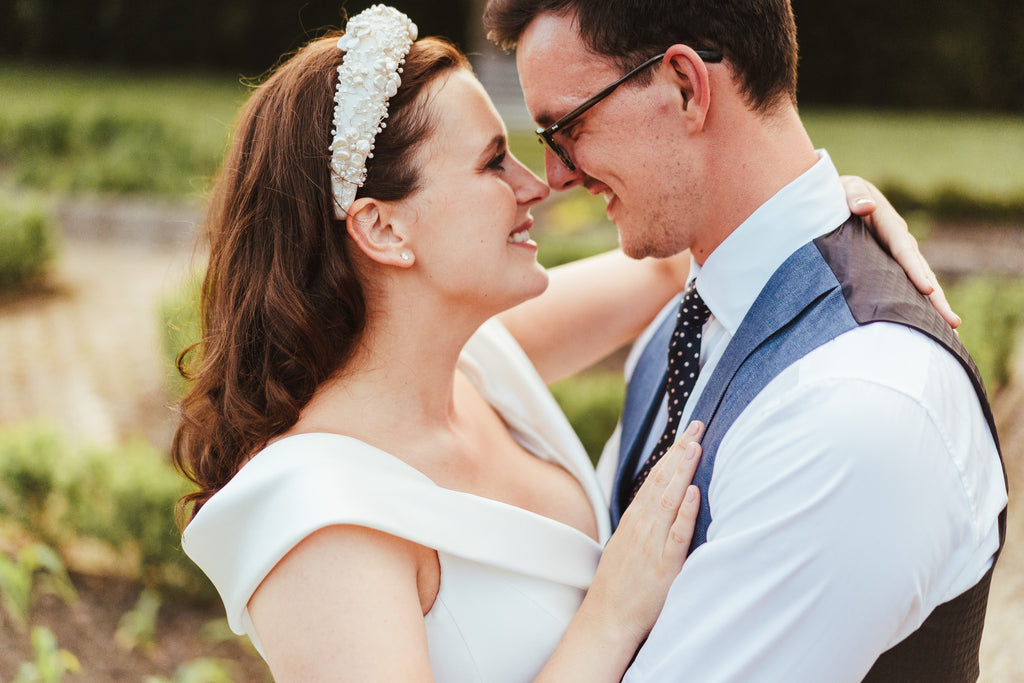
x: 827, y: 287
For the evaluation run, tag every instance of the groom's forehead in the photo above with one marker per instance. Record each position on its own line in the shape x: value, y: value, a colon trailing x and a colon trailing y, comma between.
x: 552, y: 46
x: 551, y: 35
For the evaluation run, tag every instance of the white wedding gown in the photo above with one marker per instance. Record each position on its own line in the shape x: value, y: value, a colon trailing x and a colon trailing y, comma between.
x: 510, y: 579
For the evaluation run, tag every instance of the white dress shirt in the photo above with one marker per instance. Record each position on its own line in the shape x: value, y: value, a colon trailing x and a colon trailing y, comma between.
x: 857, y: 491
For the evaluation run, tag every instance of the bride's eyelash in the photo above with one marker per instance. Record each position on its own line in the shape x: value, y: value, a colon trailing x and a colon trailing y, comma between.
x: 495, y: 164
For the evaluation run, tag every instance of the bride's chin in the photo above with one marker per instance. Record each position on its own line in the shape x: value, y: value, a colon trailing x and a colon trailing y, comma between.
x: 534, y: 286
x: 540, y: 281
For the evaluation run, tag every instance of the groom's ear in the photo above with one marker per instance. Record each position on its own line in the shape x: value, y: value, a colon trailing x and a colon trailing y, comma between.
x: 690, y: 79
x: 375, y: 230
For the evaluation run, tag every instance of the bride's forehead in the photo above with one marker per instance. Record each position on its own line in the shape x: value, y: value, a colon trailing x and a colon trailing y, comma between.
x: 463, y: 109
x: 460, y: 89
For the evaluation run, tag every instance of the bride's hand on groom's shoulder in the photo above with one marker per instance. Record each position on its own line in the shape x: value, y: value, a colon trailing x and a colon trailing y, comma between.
x: 891, y: 231
x: 648, y: 549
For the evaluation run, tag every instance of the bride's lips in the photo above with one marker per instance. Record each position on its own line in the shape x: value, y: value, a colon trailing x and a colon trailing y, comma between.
x: 521, y: 235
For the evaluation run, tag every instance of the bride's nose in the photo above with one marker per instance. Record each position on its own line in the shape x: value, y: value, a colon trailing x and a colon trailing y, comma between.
x: 529, y: 188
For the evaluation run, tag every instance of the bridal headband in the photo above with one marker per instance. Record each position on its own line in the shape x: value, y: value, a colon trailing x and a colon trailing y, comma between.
x: 375, y: 44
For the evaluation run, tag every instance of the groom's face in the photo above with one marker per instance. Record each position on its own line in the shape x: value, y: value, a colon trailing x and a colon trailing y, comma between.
x: 624, y: 148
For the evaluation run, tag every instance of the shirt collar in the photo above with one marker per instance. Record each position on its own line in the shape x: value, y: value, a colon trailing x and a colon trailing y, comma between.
x: 734, y: 274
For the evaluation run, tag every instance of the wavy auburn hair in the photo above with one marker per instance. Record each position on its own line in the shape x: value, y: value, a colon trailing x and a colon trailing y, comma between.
x: 282, y: 301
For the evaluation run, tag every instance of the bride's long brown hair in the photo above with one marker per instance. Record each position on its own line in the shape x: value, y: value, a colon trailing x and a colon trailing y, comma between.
x: 282, y: 304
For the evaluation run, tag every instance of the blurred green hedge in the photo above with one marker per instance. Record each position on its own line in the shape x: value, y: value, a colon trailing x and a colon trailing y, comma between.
x: 178, y: 312
x: 993, y: 318
x: 28, y: 244
x: 106, y: 152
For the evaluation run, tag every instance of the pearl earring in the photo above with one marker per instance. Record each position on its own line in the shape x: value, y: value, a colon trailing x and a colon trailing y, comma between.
x: 405, y: 256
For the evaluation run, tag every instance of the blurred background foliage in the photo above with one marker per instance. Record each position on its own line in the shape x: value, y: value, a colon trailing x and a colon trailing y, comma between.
x: 943, y: 54
x: 949, y: 55
x: 245, y: 36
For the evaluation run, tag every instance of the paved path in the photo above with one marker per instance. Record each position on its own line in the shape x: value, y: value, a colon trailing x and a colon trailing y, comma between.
x: 87, y: 354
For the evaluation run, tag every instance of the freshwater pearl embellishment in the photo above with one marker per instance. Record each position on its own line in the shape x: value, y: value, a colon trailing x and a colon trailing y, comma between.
x: 375, y: 44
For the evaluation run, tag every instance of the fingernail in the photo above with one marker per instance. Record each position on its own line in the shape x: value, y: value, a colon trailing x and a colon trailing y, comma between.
x: 863, y: 201
x: 691, y: 451
x: 693, y: 428
x: 691, y: 494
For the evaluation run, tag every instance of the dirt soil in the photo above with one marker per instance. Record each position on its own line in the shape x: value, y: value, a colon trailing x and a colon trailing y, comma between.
x: 84, y: 352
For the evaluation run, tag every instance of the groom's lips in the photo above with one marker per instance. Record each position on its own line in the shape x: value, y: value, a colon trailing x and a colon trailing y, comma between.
x: 610, y: 201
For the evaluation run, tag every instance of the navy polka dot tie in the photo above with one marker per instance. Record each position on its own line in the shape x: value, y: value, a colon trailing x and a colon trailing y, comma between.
x: 683, y: 366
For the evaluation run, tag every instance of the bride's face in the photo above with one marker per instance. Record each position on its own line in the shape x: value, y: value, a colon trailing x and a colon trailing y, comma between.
x: 472, y: 212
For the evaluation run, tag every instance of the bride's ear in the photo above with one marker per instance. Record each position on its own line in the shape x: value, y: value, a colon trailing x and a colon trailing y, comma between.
x: 372, y: 228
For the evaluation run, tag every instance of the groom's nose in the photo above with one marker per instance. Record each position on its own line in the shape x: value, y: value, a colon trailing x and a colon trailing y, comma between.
x: 558, y: 176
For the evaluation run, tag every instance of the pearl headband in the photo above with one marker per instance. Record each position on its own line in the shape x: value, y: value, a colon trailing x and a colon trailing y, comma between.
x: 375, y: 43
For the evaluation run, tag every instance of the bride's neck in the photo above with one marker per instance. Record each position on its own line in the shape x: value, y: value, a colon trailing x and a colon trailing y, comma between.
x: 403, y: 371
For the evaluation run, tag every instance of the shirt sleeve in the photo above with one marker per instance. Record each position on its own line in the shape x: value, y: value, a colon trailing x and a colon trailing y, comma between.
x: 844, y: 511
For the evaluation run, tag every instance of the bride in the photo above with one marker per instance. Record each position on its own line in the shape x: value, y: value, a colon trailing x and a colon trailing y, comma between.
x: 385, y: 488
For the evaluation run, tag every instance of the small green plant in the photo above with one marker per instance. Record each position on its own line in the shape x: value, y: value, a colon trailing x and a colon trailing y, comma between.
x: 28, y: 244
x: 37, y: 569
x: 137, y: 627
x: 51, y: 662
x: 202, y: 670
x: 218, y: 631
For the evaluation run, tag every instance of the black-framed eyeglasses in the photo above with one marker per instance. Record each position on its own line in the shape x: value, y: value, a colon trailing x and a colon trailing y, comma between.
x: 547, y: 135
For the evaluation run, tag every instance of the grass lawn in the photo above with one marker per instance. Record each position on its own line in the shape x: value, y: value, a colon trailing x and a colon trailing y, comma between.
x: 978, y: 155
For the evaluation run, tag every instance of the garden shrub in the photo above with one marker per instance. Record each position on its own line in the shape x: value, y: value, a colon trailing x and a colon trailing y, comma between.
x: 123, y: 497
x: 107, y: 152
x: 993, y: 315
x: 72, y: 143
x: 593, y: 403
x: 179, y: 320
x: 29, y: 459
x: 28, y: 244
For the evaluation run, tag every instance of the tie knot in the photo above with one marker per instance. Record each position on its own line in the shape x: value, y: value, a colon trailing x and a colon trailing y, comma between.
x: 692, y: 310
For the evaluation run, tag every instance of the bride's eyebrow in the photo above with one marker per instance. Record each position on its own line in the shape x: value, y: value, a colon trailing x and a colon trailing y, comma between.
x: 497, y: 144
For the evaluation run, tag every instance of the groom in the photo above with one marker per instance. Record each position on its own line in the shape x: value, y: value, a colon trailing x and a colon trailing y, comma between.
x: 852, y: 492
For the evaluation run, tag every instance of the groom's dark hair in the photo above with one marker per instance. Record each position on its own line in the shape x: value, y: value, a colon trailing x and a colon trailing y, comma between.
x: 758, y: 37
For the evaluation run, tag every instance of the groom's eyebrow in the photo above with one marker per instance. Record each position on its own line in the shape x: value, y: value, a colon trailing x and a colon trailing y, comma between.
x: 544, y: 120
